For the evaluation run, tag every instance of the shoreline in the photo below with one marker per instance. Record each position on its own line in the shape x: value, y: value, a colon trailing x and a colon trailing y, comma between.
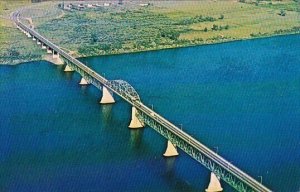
x: 154, y: 50
x: 188, y: 46
x: 120, y: 34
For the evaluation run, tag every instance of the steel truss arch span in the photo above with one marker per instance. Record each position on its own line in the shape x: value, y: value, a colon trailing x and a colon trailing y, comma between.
x: 124, y: 88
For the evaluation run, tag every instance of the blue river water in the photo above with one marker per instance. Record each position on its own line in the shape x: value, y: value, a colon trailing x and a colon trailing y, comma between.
x: 241, y: 99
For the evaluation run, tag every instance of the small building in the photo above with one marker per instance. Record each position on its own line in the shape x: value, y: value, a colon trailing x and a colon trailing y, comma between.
x: 106, y: 4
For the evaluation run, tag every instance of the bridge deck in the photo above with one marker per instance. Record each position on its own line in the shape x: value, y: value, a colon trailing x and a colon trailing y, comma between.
x: 238, y: 179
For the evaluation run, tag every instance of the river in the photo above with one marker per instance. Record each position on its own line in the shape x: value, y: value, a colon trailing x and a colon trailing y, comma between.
x: 241, y: 99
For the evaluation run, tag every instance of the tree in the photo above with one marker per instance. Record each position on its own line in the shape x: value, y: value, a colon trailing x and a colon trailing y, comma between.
x: 205, y: 29
x: 94, y: 37
x: 221, y: 16
x: 257, y: 2
x: 282, y: 12
x: 14, y: 53
x: 105, y: 47
x: 215, y: 27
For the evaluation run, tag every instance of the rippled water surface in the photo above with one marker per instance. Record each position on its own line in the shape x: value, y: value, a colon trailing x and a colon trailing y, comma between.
x: 241, y: 99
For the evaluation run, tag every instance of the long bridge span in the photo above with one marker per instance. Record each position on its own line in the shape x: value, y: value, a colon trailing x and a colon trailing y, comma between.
x: 141, y: 115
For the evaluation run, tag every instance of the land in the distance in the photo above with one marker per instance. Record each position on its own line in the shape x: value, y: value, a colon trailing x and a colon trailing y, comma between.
x: 133, y: 26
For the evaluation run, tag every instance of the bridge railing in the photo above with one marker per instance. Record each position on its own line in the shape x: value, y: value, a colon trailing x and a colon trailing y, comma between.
x: 204, y: 150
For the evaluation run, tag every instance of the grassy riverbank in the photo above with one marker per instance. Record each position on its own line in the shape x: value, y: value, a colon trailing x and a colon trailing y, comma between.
x: 14, y: 46
x: 163, y: 24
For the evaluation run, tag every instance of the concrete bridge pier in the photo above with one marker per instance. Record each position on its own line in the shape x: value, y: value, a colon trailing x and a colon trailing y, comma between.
x: 55, y: 55
x: 33, y: 38
x: 214, y: 184
x: 38, y: 42
x: 171, y: 150
x: 49, y: 50
x: 56, y: 59
x: 107, y: 96
x: 68, y: 68
x: 83, y: 81
x: 28, y: 35
x: 44, y: 46
x: 135, y: 122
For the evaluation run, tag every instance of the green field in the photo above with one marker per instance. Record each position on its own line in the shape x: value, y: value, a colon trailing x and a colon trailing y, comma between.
x: 163, y: 24
x: 14, y: 46
x: 244, y: 20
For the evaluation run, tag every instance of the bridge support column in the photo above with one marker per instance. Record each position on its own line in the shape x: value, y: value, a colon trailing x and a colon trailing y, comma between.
x: 55, y: 56
x: 171, y: 150
x: 214, y: 184
x: 44, y: 46
x: 56, y: 59
x: 49, y: 50
x: 68, y: 69
x: 33, y: 38
x: 83, y: 81
x: 107, y: 96
x: 135, y: 122
x: 28, y: 35
x: 38, y: 42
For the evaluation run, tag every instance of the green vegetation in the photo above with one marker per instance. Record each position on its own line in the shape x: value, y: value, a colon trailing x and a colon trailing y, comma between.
x: 196, y: 19
x: 293, y: 30
x: 163, y: 24
x: 220, y: 28
x: 289, y: 5
x: 240, y: 19
x: 111, y: 32
x: 116, y: 30
x: 14, y: 46
x: 282, y: 13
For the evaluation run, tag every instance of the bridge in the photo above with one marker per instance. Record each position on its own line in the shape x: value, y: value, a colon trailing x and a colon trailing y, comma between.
x: 143, y: 115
